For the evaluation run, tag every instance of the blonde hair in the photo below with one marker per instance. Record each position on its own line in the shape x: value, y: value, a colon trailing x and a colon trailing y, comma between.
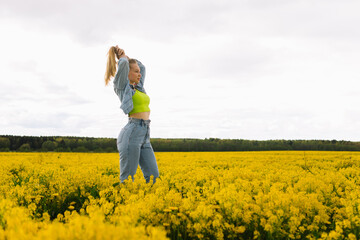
x: 111, y: 65
x: 132, y: 61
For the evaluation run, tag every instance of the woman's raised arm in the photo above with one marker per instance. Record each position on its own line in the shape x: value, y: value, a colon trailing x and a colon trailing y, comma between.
x: 121, y: 77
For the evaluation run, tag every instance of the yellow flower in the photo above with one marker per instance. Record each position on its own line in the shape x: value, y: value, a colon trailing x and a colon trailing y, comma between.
x: 240, y: 229
x: 199, y: 194
x: 351, y: 236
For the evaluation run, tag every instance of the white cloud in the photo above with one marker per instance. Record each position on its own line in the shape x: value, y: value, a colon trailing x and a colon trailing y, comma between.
x: 228, y: 69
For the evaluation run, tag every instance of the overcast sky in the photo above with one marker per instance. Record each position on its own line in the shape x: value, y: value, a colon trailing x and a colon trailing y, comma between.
x: 260, y: 69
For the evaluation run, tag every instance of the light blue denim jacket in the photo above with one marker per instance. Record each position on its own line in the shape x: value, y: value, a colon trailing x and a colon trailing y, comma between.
x: 122, y: 86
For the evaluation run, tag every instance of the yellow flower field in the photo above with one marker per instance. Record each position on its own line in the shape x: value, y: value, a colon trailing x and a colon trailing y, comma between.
x: 200, y: 195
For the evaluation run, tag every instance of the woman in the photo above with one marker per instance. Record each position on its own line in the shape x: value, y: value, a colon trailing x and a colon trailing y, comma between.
x: 133, y: 141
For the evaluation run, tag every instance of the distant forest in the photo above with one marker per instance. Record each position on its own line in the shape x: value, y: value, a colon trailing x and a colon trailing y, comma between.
x: 88, y: 144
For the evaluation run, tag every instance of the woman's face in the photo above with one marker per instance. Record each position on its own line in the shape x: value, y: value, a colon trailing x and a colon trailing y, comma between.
x: 134, y: 73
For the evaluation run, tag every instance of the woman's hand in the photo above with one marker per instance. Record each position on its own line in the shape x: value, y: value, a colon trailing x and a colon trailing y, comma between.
x: 120, y: 52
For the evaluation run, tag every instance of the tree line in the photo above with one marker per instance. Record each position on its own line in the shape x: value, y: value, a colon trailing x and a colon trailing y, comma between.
x: 90, y: 144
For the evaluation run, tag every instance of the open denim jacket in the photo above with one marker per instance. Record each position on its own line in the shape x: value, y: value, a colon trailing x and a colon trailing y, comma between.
x: 122, y: 86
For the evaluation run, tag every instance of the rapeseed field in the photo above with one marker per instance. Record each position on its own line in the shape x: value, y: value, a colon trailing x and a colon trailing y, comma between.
x: 199, y: 195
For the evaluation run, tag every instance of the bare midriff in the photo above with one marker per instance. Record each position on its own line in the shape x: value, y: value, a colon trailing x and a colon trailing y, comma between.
x: 141, y: 115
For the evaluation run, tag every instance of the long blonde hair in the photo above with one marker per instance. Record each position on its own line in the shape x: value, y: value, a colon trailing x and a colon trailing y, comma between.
x: 111, y: 65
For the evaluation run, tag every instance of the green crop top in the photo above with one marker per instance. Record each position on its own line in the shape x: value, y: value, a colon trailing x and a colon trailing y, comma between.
x: 141, y: 102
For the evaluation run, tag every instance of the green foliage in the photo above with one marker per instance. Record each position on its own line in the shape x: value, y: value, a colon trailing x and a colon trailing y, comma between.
x: 86, y: 144
x: 24, y: 148
x: 4, y: 143
x: 80, y: 149
x: 49, y: 145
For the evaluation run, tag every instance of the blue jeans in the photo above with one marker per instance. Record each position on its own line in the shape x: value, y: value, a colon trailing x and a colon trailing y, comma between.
x: 134, y: 148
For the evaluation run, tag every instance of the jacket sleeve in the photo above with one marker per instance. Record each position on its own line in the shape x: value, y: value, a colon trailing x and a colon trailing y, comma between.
x: 121, y: 77
x: 142, y: 72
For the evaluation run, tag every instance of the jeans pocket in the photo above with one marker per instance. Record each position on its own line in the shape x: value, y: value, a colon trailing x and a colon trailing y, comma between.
x: 122, y: 133
x: 120, y: 137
